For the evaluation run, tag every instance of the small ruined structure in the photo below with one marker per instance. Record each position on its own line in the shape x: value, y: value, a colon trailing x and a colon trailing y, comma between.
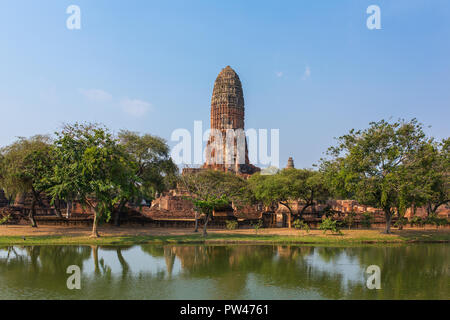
x: 171, y: 204
x: 290, y: 164
x: 227, y: 146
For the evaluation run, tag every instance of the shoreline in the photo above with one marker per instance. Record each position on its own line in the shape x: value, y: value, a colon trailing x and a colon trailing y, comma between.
x: 127, y: 235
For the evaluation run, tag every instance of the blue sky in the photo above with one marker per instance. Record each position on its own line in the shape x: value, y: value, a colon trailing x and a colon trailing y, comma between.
x: 309, y: 68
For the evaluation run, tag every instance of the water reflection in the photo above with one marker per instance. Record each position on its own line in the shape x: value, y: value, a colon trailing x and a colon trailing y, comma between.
x: 224, y: 272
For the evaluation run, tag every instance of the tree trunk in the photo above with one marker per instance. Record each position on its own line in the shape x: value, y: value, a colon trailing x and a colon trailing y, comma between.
x: 206, y: 224
x: 289, y: 219
x: 33, y: 213
x: 289, y: 215
x: 196, y: 221
x: 94, y: 226
x: 118, y: 213
x: 308, y: 204
x: 58, y: 208
x: 123, y: 263
x: 95, y: 258
x: 68, y: 209
x: 10, y: 200
x: 388, y: 216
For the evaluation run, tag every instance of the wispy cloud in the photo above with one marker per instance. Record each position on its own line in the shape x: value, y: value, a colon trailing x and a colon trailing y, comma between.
x: 279, y: 74
x: 135, y: 107
x: 307, y: 73
x: 96, y: 95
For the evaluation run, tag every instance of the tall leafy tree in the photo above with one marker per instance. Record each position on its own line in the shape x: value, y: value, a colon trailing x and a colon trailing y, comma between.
x: 24, y: 168
x: 211, y: 190
x: 154, y: 165
x: 287, y: 186
x: 430, y: 176
x: 92, y: 167
x: 305, y: 185
x: 371, y: 165
x: 272, y: 190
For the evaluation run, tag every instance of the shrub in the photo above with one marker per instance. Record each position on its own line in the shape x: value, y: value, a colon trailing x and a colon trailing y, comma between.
x: 367, y: 219
x: 301, y: 225
x: 231, y: 224
x: 331, y: 225
x: 5, y: 219
x: 435, y: 220
x: 417, y: 221
x: 257, y: 225
x: 401, y: 222
x: 350, y: 219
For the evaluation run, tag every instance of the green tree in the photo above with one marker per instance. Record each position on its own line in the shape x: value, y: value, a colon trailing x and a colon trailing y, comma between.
x: 154, y: 167
x: 93, y: 167
x: 372, y: 166
x: 431, y: 174
x: 211, y: 190
x: 307, y: 186
x: 24, y: 168
x: 273, y: 190
x: 287, y: 186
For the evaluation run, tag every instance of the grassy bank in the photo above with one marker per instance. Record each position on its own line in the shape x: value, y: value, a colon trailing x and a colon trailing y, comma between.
x: 349, y: 237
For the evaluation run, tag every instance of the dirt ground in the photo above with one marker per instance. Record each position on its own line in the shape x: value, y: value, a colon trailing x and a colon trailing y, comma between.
x: 81, y: 231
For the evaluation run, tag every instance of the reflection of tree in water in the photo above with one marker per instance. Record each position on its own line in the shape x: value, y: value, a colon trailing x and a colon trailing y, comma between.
x: 38, y: 265
x: 405, y: 270
x: 418, y: 271
x: 289, y: 267
x: 230, y: 266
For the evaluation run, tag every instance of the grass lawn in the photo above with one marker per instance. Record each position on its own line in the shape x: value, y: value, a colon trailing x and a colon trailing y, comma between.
x: 139, y: 235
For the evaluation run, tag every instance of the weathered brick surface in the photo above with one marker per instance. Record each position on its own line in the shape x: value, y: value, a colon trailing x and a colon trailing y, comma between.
x: 227, y: 112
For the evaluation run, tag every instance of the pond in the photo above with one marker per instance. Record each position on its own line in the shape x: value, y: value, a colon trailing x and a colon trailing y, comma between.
x: 419, y: 271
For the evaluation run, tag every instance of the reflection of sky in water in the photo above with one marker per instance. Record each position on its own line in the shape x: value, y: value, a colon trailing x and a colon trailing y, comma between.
x: 19, y: 251
x: 244, y: 273
x: 138, y: 262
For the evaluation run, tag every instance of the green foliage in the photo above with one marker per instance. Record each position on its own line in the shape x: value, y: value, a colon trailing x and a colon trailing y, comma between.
x: 430, y: 220
x: 211, y: 190
x: 301, y: 225
x: 258, y: 225
x: 231, y: 224
x: 289, y: 185
x: 328, y: 224
x: 401, y: 222
x: 207, y: 185
x: 378, y: 166
x: 417, y: 221
x: 210, y: 204
x: 350, y: 219
x: 25, y: 165
x: 92, y: 167
x: 367, y: 220
x: 5, y: 219
x: 154, y: 167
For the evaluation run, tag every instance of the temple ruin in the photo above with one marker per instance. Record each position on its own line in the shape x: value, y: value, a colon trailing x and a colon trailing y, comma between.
x: 172, y: 208
x: 227, y: 146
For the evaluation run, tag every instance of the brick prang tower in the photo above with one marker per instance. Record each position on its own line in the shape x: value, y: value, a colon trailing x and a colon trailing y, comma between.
x: 227, y: 112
